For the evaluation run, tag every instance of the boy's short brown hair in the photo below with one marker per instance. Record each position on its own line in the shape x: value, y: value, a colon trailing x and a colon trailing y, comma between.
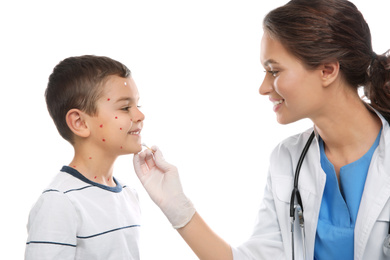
x: 77, y: 82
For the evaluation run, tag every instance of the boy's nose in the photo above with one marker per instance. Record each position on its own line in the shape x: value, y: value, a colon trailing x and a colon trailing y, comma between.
x: 138, y: 116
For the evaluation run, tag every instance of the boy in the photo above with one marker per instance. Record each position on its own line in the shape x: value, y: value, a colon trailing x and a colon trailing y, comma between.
x: 85, y: 213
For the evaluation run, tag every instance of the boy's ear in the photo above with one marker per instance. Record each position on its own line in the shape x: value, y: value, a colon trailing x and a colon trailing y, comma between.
x: 75, y: 119
x: 329, y: 72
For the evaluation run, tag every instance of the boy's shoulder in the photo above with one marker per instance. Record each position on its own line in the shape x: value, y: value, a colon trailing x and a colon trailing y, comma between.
x: 63, y: 182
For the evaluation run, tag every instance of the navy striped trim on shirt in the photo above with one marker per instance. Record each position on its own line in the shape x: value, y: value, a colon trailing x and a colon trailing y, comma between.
x: 89, y: 186
x: 109, y: 231
x: 49, y: 242
x: 80, y: 237
x: 78, y: 175
x: 52, y: 190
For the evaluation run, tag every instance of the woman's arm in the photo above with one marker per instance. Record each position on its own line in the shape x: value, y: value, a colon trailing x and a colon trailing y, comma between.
x: 203, y: 241
x: 161, y: 181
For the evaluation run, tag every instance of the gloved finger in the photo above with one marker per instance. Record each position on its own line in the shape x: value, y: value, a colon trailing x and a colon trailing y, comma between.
x: 140, y: 165
x: 160, y: 161
x: 149, y: 159
x: 137, y: 164
x: 154, y: 148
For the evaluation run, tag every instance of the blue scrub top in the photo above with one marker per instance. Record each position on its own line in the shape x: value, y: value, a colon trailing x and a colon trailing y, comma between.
x: 340, y: 206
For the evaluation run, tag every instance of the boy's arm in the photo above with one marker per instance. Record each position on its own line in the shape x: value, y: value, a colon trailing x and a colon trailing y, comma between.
x: 162, y: 182
x: 52, y: 228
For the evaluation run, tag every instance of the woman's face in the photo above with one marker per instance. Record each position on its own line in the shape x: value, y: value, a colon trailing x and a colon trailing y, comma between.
x: 294, y: 90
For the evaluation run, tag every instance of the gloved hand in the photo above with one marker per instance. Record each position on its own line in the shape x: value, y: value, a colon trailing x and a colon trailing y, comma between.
x: 161, y: 181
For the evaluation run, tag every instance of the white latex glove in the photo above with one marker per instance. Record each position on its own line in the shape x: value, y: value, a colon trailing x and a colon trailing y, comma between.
x: 161, y: 181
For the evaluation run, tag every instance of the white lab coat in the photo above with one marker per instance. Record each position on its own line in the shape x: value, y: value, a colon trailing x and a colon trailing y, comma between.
x: 271, y: 238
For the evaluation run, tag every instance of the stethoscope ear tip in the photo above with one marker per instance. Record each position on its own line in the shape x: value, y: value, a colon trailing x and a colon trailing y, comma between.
x: 386, y: 245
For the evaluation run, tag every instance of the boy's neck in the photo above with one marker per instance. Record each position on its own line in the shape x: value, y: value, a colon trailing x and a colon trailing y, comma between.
x: 95, y: 167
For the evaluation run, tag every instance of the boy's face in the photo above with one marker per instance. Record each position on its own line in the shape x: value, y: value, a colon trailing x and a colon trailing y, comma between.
x: 117, y: 126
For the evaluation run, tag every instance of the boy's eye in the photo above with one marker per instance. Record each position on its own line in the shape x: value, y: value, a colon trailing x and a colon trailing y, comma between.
x: 128, y: 108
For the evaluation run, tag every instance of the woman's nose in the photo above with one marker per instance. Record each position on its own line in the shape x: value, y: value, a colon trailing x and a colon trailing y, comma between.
x: 265, y: 87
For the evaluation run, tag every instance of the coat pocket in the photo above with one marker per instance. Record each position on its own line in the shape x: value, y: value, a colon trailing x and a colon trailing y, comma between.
x: 283, y: 186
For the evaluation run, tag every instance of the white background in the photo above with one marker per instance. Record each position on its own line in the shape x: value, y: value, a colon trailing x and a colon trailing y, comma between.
x: 196, y: 64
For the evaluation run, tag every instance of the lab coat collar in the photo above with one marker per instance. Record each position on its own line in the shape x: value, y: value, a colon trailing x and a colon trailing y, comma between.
x: 376, y: 191
x: 375, y: 195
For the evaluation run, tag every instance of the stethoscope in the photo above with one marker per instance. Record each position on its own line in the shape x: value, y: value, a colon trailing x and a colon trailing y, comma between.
x: 299, y: 207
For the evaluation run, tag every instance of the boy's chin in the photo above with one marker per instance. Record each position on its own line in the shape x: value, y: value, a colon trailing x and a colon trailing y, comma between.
x: 136, y: 150
x: 133, y: 150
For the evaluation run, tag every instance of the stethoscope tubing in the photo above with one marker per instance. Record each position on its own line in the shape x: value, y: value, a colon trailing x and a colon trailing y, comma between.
x: 295, y: 194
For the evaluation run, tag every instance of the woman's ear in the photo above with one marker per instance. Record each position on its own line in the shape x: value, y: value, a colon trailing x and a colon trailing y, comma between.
x: 329, y: 72
x: 75, y: 119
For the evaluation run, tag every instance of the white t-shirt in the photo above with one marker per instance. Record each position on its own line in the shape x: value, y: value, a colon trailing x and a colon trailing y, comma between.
x: 76, y: 218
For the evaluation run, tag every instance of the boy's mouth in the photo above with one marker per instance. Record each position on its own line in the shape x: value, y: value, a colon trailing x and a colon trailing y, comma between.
x: 135, y: 132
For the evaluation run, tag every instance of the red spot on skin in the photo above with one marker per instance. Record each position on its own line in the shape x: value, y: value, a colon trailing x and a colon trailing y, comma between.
x: 116, y: 117
x: 90, y: 158
x: 103, y: 140
x: 101, y: 126
x: 74, y: 166
x: 108, y: 99
x: 95, y: 177
x: 121, y: 147
x: 108, y: 179
x: 120, y: 128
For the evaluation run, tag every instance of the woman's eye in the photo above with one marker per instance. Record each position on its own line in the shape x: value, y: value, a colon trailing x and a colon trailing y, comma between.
x: 274, y: 73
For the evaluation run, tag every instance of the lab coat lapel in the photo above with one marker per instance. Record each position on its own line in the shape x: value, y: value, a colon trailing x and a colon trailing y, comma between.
x: 313, y: 177
x: 375, y: 195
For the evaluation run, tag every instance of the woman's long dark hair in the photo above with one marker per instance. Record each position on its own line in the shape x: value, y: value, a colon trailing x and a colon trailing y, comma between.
x: 320, y: 31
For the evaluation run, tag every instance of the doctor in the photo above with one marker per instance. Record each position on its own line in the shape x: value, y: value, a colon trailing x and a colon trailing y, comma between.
x: 316, y: 54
